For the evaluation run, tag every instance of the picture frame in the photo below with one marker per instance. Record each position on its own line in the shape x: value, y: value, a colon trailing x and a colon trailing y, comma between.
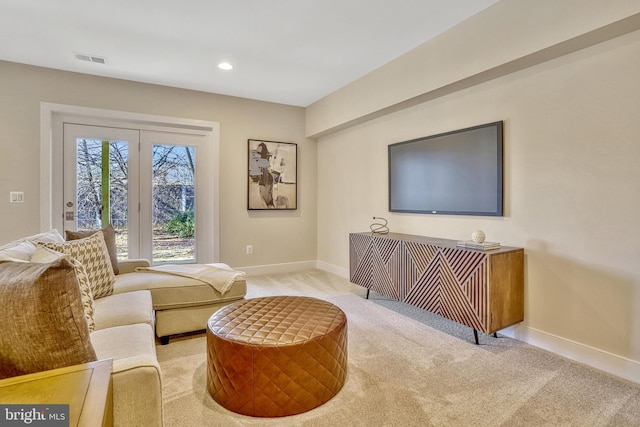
x: 273, y: 175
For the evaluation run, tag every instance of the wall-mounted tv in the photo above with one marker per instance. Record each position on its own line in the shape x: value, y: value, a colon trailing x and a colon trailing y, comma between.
x: 453, y: 173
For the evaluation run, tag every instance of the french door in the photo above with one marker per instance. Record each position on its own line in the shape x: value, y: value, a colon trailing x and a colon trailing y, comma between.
x: 143, y: 182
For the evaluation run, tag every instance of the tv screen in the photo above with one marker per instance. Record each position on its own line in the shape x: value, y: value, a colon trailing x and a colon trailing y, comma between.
x: 453, y: 173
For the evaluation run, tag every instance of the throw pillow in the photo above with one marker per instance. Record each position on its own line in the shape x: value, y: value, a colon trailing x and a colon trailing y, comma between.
x: 43, y: 324
x: 48, y: 236
x: 46, y: 255
x: 93, y: 255
x: 19, y: 252
x: 22, y: 249
x: 109, y: 238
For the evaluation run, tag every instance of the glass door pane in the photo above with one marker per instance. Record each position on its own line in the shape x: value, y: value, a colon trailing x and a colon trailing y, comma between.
x: 100, y: 183
x: 102, y: 171
x: 177, y: 181
x: 173, y: 203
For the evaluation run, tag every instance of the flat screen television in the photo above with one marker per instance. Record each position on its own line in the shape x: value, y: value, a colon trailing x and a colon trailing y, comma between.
x: 452, y: 173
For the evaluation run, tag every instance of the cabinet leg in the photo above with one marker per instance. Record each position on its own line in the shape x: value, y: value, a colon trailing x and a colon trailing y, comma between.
x: 367, y: 297
x: 475, y: 335
x: 495, y: 335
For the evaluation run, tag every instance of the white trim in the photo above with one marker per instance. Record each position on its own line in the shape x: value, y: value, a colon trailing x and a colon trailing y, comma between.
x: 50, y: 111
x: 138, y: 118
x: 290, y: 267
x: 338, y: 271
x: 46, y: 122
x: 582, y: 353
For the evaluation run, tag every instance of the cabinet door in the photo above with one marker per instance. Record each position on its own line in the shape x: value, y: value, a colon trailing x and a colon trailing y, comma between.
x: 359, y: 259
x: 450, y: 282
x: 373, y: 263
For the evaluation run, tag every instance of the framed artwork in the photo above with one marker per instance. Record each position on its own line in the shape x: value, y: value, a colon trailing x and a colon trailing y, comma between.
x: 273, y: 175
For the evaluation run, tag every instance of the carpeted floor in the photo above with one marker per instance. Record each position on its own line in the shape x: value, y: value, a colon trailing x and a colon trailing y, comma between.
x: 411, y: 368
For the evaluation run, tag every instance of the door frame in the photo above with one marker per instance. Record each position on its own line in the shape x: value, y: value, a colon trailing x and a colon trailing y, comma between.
x: 52, y: 118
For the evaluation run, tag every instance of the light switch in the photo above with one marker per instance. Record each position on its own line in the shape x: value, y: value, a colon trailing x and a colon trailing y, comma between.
x: 16, y: 197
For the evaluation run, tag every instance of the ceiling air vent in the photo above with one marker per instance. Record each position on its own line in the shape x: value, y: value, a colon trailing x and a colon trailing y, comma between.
x: 91, y: 58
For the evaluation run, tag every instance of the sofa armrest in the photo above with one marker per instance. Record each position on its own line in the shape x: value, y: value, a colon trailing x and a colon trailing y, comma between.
x: 136, y: 376
x: 130, y: 265
x: 137, y: 395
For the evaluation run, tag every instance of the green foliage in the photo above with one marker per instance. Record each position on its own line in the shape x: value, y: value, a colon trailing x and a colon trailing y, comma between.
x: 182, y: 224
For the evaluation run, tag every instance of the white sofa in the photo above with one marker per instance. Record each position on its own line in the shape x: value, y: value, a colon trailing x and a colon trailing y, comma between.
x: 142, y: 306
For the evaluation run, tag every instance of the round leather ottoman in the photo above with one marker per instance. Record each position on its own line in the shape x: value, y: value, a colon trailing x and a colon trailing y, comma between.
x: 276, y: 356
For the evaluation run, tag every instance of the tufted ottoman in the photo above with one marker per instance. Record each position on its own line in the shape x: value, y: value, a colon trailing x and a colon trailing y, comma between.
x: 276, y: 356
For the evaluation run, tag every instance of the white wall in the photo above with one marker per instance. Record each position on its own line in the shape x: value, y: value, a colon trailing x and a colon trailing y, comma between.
x: 571, y: 192
x: 277, y: 237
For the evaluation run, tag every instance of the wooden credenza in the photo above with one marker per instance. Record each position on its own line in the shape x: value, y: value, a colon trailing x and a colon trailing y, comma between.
x: 480, y: 289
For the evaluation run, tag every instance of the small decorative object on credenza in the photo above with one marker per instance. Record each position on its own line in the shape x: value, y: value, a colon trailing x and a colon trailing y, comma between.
x: 478, y: 236
x: 378, y: 227
x: 477, y: 242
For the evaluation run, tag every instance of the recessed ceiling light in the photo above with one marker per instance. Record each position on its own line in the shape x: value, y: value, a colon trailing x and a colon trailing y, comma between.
x: 225, y: 66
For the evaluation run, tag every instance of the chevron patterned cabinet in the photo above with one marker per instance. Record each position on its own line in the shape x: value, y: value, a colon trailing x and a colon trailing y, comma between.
x: 480, y: 289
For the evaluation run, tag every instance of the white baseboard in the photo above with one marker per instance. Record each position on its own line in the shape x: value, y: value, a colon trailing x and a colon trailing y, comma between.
x: 590, y: 356
x: 289, y: 267
x: 338, y: 271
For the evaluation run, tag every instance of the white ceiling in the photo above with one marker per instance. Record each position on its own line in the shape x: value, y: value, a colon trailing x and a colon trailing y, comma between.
x: 286, y: 51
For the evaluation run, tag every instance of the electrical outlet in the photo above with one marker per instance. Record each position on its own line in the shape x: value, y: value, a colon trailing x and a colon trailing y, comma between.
x: 16, y: 197
x: 249, y: 249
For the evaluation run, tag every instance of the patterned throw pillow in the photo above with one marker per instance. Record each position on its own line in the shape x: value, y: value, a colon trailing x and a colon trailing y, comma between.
x: 109, y: 238
x: 93, y: 255
x: 46, y: 255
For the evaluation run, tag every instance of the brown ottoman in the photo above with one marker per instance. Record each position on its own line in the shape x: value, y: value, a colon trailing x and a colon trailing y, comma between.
x: 276, y: 356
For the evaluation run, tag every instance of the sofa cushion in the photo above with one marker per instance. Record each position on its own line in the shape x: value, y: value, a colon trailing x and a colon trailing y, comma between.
x: 46, y: 255
x: 128, y: 345
x: 109, y: 239
x: 124, y: 309
x: 93, y: 254
x: 43, y: 323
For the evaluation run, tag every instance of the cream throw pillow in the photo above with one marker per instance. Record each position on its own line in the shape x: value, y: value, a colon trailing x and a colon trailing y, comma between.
x: 93, y: 255
x: 46, y: 255
x: 19, y: 252
x: 48, y: 236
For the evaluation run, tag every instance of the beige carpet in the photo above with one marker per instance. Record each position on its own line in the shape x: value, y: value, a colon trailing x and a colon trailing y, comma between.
x: 410, y: 368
